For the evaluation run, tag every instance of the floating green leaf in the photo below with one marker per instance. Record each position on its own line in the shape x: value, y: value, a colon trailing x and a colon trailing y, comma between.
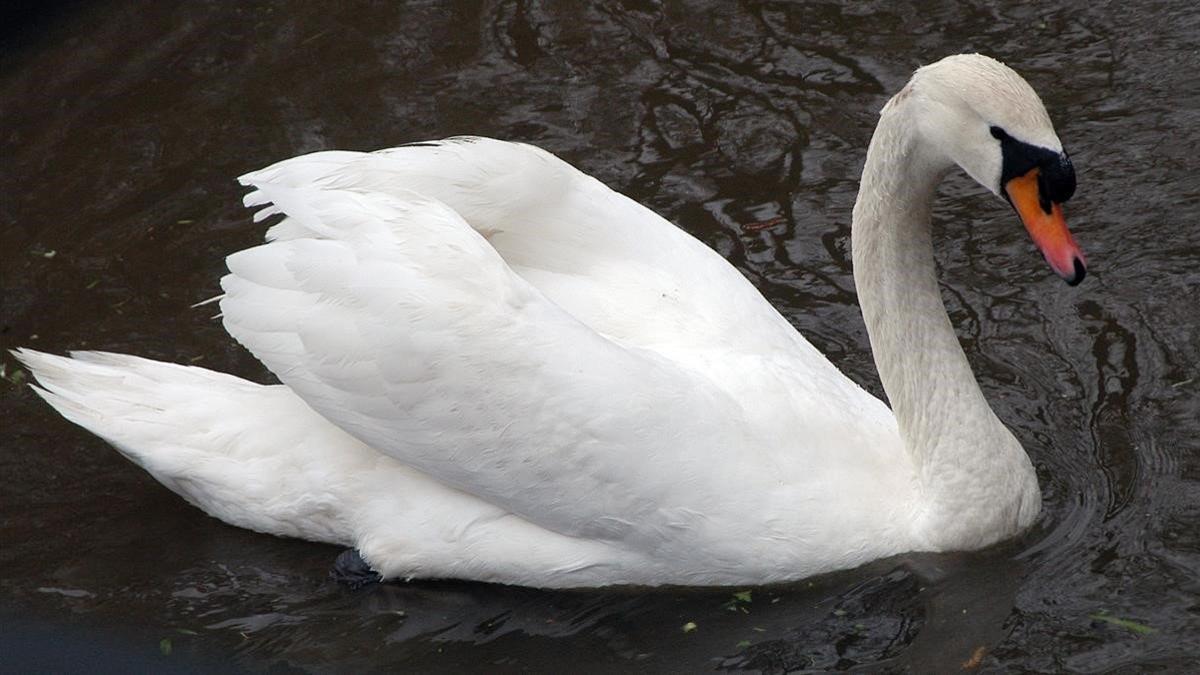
x: 164, y: 646
x: 738, y: 601
x: 743, y: 644
x: 1133, y: 626
x: 15, y: 378
x: 689, y: 626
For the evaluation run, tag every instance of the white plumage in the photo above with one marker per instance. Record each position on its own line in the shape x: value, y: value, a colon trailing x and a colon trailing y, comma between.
x: 494, y: 367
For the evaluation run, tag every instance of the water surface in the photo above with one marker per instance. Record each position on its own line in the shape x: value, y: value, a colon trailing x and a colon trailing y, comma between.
x: 124, y: 124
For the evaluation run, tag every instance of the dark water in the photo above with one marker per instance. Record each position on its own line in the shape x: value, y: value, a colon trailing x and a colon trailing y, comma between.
x: 122, y: 125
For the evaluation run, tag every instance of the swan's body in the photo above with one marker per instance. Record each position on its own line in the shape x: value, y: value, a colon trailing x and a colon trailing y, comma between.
x: 493, y: 367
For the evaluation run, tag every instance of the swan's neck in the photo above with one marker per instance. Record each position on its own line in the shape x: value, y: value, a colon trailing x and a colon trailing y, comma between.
x: 976, y: 481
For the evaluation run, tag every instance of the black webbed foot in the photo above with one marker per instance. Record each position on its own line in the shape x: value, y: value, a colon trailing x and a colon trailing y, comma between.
x: 350, y: 569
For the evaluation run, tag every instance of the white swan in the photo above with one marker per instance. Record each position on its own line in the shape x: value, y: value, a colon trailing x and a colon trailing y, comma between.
x: 496, y: 368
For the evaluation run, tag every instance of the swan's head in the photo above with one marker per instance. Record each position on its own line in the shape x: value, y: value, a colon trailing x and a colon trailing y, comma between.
x: 981, y: 115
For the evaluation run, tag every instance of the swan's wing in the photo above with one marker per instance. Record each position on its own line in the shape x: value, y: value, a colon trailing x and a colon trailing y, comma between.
x: 605, y: 259
x: 398, y: 322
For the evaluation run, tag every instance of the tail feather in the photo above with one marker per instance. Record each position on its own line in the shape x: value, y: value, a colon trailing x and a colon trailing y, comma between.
x: 254, y: 456
x: 258, y: 457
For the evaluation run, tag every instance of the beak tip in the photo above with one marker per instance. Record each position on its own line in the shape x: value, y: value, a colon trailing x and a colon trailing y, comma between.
x: 1078, y: 274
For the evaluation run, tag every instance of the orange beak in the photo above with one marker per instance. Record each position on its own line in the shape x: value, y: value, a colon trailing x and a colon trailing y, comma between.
x: 1048, y: 229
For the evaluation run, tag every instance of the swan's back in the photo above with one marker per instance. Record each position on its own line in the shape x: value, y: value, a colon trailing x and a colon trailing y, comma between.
x: 607, y: 260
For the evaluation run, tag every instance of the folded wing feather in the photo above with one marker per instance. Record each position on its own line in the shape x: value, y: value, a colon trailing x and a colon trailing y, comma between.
x: 403, y: 326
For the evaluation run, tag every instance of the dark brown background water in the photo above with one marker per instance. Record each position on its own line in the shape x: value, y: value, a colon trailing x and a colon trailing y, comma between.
x: 123, y: 124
